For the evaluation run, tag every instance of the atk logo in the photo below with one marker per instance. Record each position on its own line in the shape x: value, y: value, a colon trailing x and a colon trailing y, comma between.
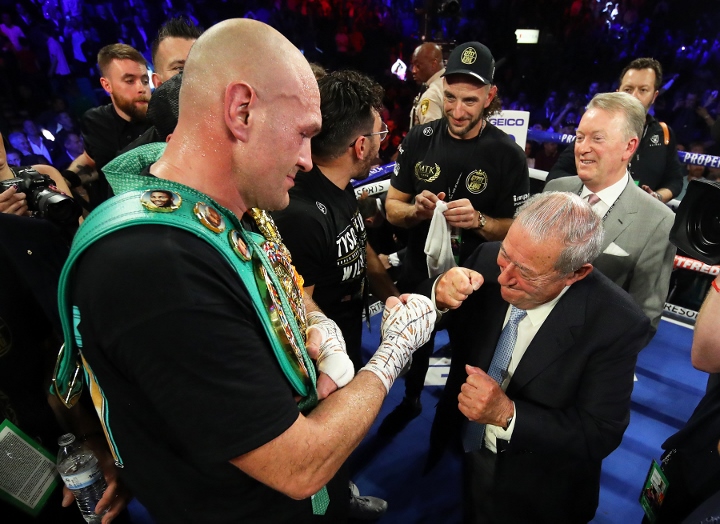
x: 321, y: 207
x: 427, y: 131
x: 655, y: 140
x: 476, y: 182
x: 396, y: 169
x: 426, y: 173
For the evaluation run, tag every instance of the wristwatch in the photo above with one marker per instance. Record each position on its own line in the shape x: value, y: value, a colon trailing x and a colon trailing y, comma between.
x: 481, y: 220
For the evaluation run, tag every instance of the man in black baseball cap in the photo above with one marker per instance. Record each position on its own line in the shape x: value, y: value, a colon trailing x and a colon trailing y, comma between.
x: 474, y: 59
x: 474, y: 167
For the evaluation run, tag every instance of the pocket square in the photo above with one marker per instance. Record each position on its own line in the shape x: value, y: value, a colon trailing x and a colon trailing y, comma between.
x: 614, y: 249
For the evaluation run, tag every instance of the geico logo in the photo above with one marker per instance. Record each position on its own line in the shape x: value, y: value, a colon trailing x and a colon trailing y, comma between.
x: 507, y: 121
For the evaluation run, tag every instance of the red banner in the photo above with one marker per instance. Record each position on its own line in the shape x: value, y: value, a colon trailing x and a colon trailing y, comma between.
x: 695, y: 265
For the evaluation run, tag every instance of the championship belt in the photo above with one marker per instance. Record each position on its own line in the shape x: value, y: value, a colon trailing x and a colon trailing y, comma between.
x: 263, y: 265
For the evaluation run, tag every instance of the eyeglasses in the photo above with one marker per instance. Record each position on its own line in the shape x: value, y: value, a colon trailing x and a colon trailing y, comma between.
x: 383, y: 134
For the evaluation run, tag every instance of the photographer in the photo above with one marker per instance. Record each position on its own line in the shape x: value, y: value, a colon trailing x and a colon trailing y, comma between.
x: 14, y: 201
x: 32, y: 254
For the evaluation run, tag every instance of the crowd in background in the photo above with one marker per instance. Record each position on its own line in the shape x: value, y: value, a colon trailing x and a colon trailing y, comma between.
x: 49, y: 76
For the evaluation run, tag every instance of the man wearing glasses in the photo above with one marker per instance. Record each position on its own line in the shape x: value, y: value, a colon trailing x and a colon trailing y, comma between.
x: 464, y: 160
x: 323, y: 229
x: 322, y: 226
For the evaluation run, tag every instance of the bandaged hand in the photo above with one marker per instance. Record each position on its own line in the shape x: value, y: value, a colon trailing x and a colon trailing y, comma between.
x: 332, y: 357
x: 405, y: 327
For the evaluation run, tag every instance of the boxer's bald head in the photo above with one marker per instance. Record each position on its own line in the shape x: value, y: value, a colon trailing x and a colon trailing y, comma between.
x: 242, y: 50
x: 249, y: 104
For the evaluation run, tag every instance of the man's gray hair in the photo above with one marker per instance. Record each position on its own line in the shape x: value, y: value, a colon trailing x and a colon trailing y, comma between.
x: 625, y: 104
x: 568, y: 218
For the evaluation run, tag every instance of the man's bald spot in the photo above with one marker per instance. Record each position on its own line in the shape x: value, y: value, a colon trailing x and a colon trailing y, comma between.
x: 429, y: 51
x: 241, y: 50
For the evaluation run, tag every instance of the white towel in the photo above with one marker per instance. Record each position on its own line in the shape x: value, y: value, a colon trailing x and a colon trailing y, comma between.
x: 438, y: 250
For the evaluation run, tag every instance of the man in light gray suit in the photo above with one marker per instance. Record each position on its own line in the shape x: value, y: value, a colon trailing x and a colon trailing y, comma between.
x: 637, y: 254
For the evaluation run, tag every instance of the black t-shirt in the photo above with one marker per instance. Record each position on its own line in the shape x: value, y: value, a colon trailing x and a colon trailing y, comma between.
x: 490, y: 170
x: 324, y: 231
x: 189, y: 377
x: 105, y: 134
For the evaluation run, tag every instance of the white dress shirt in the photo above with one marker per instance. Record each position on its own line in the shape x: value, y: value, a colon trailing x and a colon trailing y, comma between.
x: 527, y: 329
x: 607, y: 196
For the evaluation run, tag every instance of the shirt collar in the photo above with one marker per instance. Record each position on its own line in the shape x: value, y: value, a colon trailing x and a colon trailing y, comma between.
x: 611, y: 193
x: 538, y: 314
x: 435, y: 77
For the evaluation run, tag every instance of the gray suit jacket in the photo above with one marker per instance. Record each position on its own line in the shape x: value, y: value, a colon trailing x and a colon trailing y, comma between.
x: 636, y: 254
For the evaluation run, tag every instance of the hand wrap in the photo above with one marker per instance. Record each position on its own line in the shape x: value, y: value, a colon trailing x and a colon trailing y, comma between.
x: 404, y: 329
x: 332, y: 358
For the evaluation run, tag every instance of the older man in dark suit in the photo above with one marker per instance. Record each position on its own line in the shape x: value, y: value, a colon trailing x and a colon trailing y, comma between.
x: 544, y: 351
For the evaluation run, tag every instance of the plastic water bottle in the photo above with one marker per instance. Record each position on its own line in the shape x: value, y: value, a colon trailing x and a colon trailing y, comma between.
x: 81, y: 473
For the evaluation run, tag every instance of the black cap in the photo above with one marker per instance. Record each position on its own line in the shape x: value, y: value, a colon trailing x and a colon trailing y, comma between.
x: 474, y: 59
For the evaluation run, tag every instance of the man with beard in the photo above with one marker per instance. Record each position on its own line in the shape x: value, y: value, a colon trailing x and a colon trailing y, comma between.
x: 323, y: 227
x: 655, y: 164
x: 261, y: 447
x: 107, y: 129
x: 477, y: 169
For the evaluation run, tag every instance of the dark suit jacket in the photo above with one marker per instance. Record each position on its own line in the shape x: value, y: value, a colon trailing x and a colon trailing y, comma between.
x: 571, y: 392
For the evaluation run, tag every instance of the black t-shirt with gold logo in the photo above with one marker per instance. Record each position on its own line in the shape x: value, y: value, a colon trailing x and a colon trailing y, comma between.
x: 490, y: 170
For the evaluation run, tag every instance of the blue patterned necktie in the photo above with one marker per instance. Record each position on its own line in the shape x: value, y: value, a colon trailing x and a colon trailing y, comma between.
x: 474, y: 433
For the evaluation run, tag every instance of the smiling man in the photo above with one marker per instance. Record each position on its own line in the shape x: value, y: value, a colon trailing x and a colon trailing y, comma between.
x: 637, y: 254
x: 466, y: 161
x: 655, y: 164
x: 544, y: 350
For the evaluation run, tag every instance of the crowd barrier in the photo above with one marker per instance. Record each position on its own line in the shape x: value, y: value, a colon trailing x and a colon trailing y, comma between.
x: 685, y: 157
x: 375, y: 183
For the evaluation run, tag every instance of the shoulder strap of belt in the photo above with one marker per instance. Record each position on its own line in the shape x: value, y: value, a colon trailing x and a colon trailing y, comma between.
x: 127, y: 210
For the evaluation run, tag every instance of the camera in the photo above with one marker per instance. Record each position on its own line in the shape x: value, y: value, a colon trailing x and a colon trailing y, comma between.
x: 696, y: 230
x: 43, y: 198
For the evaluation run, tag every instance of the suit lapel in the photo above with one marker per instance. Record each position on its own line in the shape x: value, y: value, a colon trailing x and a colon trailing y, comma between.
x: 621, y: 215
x: 557, y: 335
x: 470, y: 342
